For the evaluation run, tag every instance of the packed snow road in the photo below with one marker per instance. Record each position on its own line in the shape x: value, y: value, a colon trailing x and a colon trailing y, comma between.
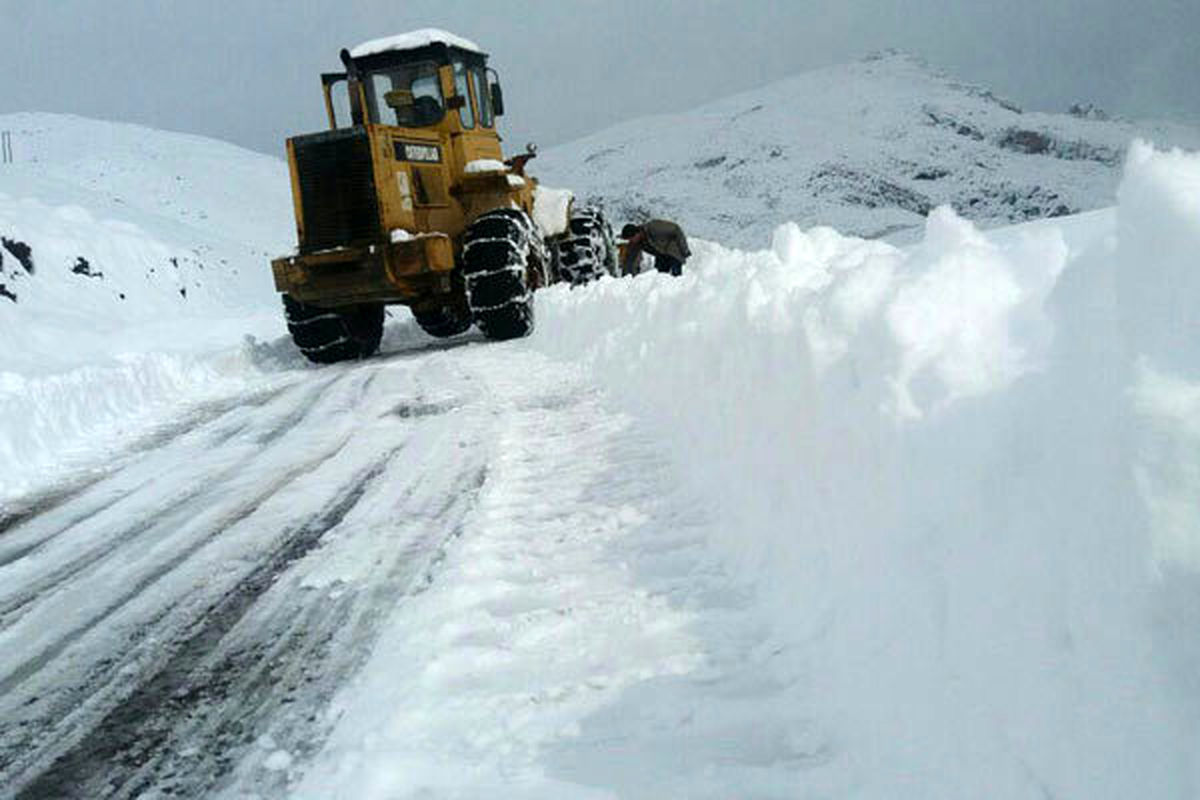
x: 181, y: 622
x: 154, y: 618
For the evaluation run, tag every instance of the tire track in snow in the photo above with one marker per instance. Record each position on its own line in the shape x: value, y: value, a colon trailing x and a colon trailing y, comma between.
x: 176, y: 508
x: 182, y: 730
x: 75, y: 492
x: 217, y: 619
x: 90, y: 688
x: 288, y: 679
x: 244, y: 510
x: 204, y: 682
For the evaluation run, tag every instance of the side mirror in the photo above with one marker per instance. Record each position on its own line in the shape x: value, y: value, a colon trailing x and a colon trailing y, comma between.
x: 497, y: 100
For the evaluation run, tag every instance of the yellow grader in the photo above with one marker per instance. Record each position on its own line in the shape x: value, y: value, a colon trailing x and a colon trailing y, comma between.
x: 407, y: 199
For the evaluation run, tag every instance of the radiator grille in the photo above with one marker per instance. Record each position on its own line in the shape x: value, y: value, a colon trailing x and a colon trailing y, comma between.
x: 337, y: 188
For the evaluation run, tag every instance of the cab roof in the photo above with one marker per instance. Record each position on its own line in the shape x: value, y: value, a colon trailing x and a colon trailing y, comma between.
x: 413, y: 40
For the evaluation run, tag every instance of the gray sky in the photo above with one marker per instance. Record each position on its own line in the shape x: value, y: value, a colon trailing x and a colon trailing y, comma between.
x: 247, y: 70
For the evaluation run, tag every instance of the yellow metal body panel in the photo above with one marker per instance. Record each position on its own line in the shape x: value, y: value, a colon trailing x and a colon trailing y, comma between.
x: 400, y: 272
x: 430, y: 199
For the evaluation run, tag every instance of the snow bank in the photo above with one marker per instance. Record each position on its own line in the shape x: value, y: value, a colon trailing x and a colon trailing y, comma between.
x: 52, y: 425
x: 963, y: 475
x: 145, y: 262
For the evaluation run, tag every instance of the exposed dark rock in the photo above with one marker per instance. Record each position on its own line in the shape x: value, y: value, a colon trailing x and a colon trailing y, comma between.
x: 1030, y: 142
x: 1015, y: 204
x: 1086, y: 151
x: 1038, y: 143
x: 931, y: 174
x: 751, y: 110
x: 1088, y: 111
x: 709, y: 163
x: 82, y: 267
x: 864, y: 189
x: 608, y: 151
x: 183, y: 292
x: 20, y: 251
x: 4, y: 292
x: 989, y: 96
x: 943, y: 120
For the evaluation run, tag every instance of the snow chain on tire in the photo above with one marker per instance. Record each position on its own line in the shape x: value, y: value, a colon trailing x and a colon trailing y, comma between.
x: 499, y: 248
x: 443, y: 322
x: 326, y: 335
x: 586, y: 251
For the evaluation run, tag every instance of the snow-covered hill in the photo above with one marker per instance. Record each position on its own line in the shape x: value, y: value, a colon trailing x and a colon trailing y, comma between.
x: 111, y: 229
x: 868, y: 148
x: 125, y: 254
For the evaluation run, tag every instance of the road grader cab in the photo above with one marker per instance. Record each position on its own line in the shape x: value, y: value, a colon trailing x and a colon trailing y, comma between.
x: 408, y: 199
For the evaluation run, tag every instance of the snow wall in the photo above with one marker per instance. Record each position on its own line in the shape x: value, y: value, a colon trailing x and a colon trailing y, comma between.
x: 964, y: 476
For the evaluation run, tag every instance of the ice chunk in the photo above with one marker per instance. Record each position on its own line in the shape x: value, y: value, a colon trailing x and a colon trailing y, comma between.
x: 551, y: 208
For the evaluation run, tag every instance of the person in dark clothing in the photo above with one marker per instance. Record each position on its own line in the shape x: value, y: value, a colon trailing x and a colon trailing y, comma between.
x: 662, y: 239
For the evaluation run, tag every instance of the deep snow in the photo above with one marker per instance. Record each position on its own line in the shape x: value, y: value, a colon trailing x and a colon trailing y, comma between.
x: 175, y: 231
x: 831, y: 518
x: 961, y: 476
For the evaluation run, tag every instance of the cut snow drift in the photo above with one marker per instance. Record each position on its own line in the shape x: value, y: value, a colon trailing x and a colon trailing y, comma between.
x: 962, y: 474
x: 148, y: 261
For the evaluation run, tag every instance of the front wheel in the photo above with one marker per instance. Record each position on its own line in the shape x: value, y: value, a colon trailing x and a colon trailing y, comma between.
x: 500, y: 250
x: 326, y: 335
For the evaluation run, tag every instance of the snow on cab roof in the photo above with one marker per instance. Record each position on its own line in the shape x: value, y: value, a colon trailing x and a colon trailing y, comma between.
x: 413, y: 40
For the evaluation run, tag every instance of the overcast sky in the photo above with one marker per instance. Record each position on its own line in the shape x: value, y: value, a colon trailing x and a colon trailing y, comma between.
x: 247, y: 70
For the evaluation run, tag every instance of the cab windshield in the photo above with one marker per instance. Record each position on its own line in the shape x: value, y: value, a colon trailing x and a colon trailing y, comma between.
x: 409, y: 95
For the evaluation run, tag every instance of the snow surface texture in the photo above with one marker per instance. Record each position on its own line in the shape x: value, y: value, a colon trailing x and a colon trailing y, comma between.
x: 552, y: 209
x: 412, y: 40
x: 835, y: 518
x: 963, y: 476
x: 149, y: 256
x: 867, y: 148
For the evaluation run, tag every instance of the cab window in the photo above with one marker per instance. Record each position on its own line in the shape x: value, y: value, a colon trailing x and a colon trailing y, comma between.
x: 460, y: 89
x: 483, y: 96
x: 339, y: 95
x: 408, y: 95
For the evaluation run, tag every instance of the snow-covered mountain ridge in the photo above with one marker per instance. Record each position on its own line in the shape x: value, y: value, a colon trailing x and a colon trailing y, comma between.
x: 868, y: 148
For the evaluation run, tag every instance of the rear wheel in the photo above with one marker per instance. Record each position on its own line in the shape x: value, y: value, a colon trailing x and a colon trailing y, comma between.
x: 326, y: 335
x: 586, y: 251
x: 500, y: 250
